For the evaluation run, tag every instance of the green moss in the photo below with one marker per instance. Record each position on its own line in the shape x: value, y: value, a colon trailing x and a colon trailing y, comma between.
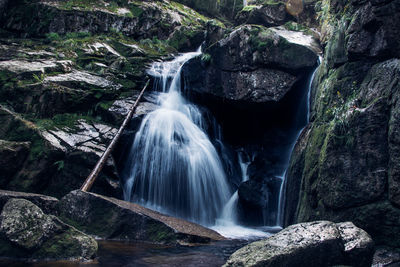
x: 248, y: 8
x: 160, y: 233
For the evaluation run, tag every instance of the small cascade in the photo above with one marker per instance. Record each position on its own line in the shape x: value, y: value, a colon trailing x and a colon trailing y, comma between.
x: 281, y: 203
x: 173, y: 167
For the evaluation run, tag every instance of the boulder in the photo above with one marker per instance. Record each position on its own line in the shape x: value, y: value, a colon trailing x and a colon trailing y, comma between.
x: 32, y: 234
x: 320, y: 243
x: 111, y: 218
x: 253, y: 64
x: 46, y: 203
x: 269, y: 14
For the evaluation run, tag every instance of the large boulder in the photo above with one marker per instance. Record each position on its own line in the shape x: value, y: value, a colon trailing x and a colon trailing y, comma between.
x: 46, y: 203
x: 268, y: 14
x: 319, y: 243
x: 252, y: 64
x: 29, y: 233
x: 111, y: 218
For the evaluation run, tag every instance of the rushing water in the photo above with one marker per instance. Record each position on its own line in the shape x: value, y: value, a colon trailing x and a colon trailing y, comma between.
x: 173, y: 166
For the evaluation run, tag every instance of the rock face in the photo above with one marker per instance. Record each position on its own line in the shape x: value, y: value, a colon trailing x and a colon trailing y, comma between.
x: 344, y: 167
x: 252, y: 64
x: 28, y: 232
x: 143, y: 19
x: 269, y: 14
x: 319, y: 243
x: 111, y: 218
x: 45, y: 203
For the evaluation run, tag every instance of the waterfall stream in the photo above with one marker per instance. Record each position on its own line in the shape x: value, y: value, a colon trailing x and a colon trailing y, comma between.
x: 173, y: 166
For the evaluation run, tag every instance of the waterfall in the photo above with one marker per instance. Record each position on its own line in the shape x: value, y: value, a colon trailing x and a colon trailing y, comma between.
x: 281, y: 203
x: 244, y: 3
x: 172, y: 166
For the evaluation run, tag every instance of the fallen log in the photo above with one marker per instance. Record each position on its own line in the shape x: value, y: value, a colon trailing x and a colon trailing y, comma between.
x: 102, y: 161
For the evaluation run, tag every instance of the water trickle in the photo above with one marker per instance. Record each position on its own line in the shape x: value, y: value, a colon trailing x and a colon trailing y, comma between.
x: 172, y: 166
x: 281, y: 203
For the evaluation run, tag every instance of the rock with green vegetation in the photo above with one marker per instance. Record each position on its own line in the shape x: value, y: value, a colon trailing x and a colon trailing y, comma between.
x: 27, y: 231
x: 344, y: 166
x: 270, y: 14
x: 111, y: 218
x: 58, y: 160
x: 46, y: 203
x: 135, y: 19
x: 252, y: 64
x: 225, y: 9
x: 320, y: 243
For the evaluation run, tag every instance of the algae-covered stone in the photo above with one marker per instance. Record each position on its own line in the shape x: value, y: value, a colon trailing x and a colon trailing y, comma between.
x: 111, y: 218
x: 42, y: 236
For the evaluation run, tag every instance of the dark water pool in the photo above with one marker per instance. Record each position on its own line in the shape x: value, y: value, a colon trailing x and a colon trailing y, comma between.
x: 114, y: 253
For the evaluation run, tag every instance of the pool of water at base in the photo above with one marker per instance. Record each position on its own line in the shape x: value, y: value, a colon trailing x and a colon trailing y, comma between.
x: 116, y: 253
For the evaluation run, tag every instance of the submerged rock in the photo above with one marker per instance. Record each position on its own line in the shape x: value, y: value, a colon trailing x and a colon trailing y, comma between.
x: 28, y: 232
x: 319, y: 243
x: 111, y: 218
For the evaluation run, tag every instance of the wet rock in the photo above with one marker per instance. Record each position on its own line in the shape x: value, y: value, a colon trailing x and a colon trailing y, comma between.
x: 252, y: 64
x: 111, y: 218
x: 12, y: 157
x: 318, y: 243
x: 46, y: 203
x: 36, y: 235
x: 258, y: 198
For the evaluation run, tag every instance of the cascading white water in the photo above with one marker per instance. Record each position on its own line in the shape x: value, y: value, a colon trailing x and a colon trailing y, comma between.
x: 227, y: 224
x: 173, y: 167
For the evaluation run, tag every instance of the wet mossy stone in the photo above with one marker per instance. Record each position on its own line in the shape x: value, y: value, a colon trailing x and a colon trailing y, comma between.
x: 29, y: 233
x: 112, y: 218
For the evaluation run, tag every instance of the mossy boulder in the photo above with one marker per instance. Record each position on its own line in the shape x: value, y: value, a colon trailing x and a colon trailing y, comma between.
x: 46, y: 203
x: 26, y: 228
x: 111, y: 218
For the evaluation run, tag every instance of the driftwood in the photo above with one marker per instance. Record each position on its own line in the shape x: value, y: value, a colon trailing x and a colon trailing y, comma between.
x: 100, y: 164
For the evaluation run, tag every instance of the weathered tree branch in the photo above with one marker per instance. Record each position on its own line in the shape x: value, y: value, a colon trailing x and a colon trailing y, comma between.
x: 100, y: 164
